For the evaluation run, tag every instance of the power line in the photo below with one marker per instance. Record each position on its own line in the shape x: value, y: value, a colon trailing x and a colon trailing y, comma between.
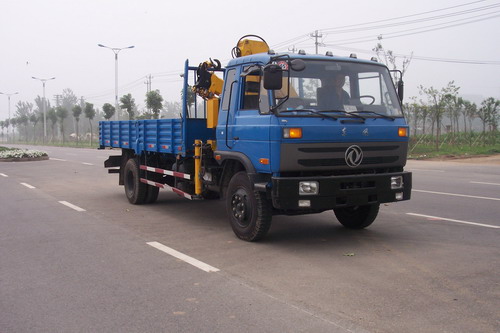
x: 413, y: 15
x: 424, y: 58
x: 362, y: 26
x: 418, y: 30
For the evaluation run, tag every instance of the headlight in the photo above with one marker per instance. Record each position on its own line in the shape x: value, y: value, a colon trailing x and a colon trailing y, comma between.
x: 308, y: 188
x: 396, y: 182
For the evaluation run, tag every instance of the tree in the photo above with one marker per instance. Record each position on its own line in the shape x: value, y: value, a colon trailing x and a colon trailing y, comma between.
x: 2, y: 125
x: 154, y: 102
x: 172, y: 109
x: 128, y: 103
x: 469, y: 112
x: 109, y: 111
x: 191, y: 98
x: 90, y: 114
x: 488, y: 113
x: 62, y: 113
x: 390, y: 59
x: 34, y: 118
x: 436, y: 100
x: 77, y: 112
x: 68, y: 99
x: 52, y: 116
x: 23, y: 111
x: 13, y: 123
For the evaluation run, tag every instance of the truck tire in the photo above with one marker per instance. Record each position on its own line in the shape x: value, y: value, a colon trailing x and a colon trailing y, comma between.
x: 357, y: 217
x: 135, y: 190
x: 152, y: 194
x: 250, y: 213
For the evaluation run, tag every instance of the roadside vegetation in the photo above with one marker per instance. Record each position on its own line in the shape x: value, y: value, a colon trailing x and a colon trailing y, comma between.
x: 16, y: 153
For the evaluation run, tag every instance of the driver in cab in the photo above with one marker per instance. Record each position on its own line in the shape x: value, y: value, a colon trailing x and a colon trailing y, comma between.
x: 331, y: 95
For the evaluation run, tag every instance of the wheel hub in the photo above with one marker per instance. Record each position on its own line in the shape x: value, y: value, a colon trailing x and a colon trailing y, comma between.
x: 239, y: 207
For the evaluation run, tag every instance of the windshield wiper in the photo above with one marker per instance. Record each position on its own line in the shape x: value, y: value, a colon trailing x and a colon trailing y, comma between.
x: 310, y: 111
x: 346, y: 113
x: 376, y: 113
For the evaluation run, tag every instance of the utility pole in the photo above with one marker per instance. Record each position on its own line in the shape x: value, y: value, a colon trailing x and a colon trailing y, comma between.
x: 316, y: 35
x: 148, y: 83
x: 57, y: 98
x: 292, y: 49
x: 44, y: 106
x: 148, y: 86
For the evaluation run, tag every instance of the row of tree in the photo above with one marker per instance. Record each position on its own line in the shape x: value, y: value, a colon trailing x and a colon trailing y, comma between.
x: 443, y: 109
x: 28, y: 119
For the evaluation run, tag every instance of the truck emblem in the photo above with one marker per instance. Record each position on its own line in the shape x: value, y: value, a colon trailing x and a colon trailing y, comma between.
x: 353, y: 156
x: 365, y: 132
x: 344, y: 131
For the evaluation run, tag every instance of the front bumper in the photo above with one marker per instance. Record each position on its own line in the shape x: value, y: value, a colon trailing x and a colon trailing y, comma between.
x: 339, y: 191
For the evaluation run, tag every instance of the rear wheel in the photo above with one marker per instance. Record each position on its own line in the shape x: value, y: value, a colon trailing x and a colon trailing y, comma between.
x: 357, y: 217
x: 250, y: 213
x: 152, y: 194
x: 135, y: 190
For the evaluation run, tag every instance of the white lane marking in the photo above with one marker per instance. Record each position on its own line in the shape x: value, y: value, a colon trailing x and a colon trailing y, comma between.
x: 28, y: 185
x: 456, y: 221
x: 57, y: 159
x: 485, y: 183
x: 428, y: 170
x: 190, y: 260
x: 70, y: 205
x: 87, y: 163
x: 3, y: 175
x: 457, y: 195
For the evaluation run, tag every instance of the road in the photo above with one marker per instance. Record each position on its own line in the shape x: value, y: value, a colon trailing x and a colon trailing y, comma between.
x: 77, y: 257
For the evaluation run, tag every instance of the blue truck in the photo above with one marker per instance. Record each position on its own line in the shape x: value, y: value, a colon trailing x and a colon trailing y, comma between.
x: 279, y: 133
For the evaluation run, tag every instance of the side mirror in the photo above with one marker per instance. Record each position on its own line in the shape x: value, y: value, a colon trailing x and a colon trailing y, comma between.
x: 401, y: 88
x: 273, y: 77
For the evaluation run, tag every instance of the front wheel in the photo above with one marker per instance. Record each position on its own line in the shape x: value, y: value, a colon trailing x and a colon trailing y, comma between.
x: 357, y: 217
x: 250, y: 213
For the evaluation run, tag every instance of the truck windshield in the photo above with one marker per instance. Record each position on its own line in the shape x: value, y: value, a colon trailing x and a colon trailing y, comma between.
x: 339, y: 87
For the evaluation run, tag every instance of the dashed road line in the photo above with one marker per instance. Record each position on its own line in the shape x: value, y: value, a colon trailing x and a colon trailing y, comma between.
x: 483, y: 183
x: 70, y: 205
x: 28, y: 185
x: 190, y: 260
x: 57, y: 159
x: 457, y: 195
x: 436, y: 218
x: 3, y: 175
x: 87, y: 163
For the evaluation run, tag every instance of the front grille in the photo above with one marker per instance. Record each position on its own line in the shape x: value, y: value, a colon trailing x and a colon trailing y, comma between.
x: 331, y: 156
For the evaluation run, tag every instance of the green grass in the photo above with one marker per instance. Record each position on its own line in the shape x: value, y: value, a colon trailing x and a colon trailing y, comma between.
x: 429, y: 151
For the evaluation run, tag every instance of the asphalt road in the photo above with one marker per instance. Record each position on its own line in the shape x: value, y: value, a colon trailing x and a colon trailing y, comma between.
x: 88, y: 264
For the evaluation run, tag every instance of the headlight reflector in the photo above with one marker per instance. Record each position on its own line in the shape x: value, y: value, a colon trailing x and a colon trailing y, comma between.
x: 308, y: 188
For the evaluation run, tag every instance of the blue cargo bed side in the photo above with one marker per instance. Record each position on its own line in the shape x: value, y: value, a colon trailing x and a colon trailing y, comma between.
x: 154, y: 135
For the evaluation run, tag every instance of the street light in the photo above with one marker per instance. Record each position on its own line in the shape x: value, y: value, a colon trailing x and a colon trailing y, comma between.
x: 8, y: 96
x: 44, y: 106
x: 116, y: 50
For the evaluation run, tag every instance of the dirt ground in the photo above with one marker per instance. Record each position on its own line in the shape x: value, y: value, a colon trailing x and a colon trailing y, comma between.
x: 489, y: 160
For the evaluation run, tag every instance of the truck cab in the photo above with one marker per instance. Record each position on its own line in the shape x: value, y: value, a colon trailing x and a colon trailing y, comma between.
x: 307, y: 145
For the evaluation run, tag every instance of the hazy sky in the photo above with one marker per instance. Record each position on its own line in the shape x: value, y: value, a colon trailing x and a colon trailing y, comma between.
x: 59, y: 38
